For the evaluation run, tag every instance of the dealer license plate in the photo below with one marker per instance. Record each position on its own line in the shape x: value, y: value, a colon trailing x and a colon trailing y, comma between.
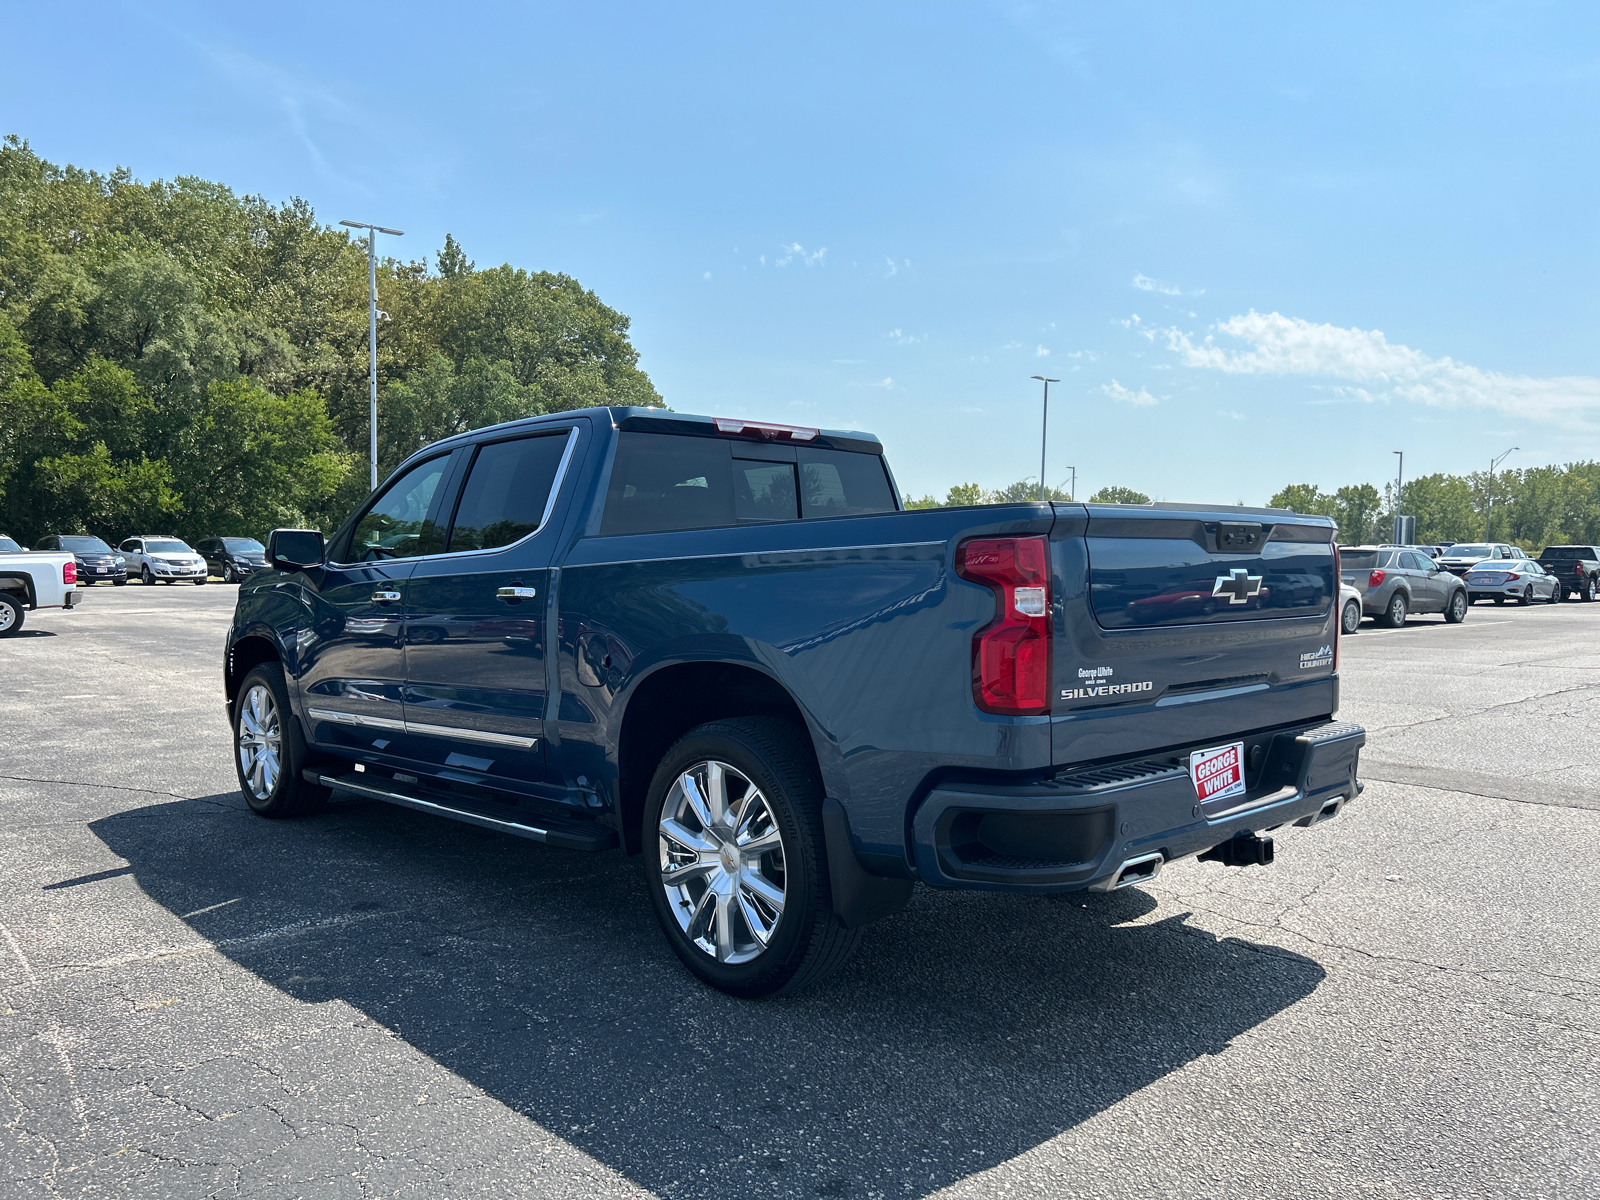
x: 100, y: 570
x: 1218, y: 773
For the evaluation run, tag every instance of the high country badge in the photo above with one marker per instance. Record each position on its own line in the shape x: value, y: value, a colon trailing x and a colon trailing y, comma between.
x: 1317, y: 658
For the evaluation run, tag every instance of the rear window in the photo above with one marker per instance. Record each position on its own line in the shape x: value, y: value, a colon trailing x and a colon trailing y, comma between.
x: 1357, y: 560
x: 839, y: 483
x: 7, y: 546
x: 1567, y: 553
x: 662, y: 482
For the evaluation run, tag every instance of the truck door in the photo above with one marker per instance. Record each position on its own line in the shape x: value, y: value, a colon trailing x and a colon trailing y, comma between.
x: 475, y: 631
x: 353, y: 667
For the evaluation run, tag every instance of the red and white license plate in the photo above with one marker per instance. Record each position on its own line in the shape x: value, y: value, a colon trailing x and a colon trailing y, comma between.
x: 1218, y: 773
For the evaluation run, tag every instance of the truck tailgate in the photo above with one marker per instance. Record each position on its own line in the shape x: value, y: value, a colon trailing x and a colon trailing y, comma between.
x: 1179, y: 624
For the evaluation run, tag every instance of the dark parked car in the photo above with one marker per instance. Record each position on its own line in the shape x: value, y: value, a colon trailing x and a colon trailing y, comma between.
x: 233, y: 558
x: 721, y: 645
x: 1577, y: 567
x: 97, y: 562
x: 1396, y: 581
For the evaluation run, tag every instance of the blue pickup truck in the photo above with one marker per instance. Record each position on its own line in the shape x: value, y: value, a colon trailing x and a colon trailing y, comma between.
x: 724, y: 645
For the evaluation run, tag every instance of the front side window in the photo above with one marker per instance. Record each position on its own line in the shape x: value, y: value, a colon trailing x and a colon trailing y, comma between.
x: 665, y: 481
x: 841, y: 483
x: 397, y: 524
x: 131, y: 546
x: 507, y: 491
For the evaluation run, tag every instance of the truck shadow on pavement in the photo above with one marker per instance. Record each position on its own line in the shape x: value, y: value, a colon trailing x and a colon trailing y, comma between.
x: 967, y: 1030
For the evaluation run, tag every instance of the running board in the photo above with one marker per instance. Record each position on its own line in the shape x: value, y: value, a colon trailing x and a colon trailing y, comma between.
x: 568, y: 835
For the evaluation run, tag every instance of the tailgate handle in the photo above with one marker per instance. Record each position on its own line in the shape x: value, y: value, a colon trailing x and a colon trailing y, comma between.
x: 1235, y: 537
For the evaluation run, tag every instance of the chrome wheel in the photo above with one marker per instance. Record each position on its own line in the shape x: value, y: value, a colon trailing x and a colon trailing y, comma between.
x: 260, y: 741
x: 1352, y: 617
x: 721, y: 862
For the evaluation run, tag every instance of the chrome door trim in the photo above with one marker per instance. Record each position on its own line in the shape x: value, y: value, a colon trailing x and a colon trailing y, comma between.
x: 473, y: 735
x: 488, y: 737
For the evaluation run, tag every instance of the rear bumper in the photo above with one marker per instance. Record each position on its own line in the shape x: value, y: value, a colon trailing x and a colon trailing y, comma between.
x: 1079, y: 830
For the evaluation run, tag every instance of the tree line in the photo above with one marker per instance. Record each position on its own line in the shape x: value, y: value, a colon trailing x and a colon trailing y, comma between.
x: 1021, y: 491
x: 1532, y: 508
x: 177, y: 358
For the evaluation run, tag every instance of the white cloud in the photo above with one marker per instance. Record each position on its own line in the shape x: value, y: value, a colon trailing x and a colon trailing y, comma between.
x: 708, y: 275
x: 900, y: 338
x: 1145, y: 284
x: 1122, y: 395
x: 885, y: 382
x: 1377, y: 369
x: 1041, y: 352
x: 1231, y: 414
x: 795, y: 250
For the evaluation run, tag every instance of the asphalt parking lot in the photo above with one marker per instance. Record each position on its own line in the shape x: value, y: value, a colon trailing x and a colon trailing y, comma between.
x: 375, y: 1003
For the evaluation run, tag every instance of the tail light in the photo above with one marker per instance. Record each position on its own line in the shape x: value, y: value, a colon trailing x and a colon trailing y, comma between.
x: 1338, y: 609
x: 1375, y: 579
x: 69, y: 572
x: 1011, y: 655
x: 1510, y: 575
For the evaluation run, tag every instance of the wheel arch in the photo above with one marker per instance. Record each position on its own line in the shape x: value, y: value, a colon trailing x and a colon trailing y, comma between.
x: 245, y: 654
x: 675, y: 698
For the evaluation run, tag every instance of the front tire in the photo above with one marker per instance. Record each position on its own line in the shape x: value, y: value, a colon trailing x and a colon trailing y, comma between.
x: 200, y: 582
x: 146, y: 576
x: 10, y: 616
x: 1350, y: 619
x: 123, y: 582
x: 1395, y: 615
x: 735, y: 860
x: 269, y: 748
x: 1456, y: 611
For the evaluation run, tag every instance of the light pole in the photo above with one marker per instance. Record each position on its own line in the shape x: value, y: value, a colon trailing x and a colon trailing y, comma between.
x: 1044, y: 430
x: 372, y: 331
x: 1399, y: 490
x: 1494, y: 465
x: 1073, y: 491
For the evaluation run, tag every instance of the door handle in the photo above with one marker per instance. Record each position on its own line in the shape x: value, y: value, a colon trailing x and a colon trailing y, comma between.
x: 516, y: 593
x: 385, y: 597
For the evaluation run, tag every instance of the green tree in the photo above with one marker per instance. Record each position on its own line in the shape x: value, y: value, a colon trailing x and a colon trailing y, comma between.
x: 1118, y: 495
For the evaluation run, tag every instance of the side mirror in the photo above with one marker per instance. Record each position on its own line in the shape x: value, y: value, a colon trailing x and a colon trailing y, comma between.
x: 295, y: 549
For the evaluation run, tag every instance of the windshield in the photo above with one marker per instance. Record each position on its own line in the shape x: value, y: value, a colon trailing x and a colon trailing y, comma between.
x: 85, y: 545
x: 1472, y: 551
x: 7, y: 546
x: 164, y: 546
x: 244, y: 545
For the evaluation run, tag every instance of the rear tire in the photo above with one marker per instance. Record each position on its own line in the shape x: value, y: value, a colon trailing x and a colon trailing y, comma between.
x: 1455, y: 611
x: 1527, y: 596
x: 10, y: 616
x: 270, y: 749
x: 1587, y: 592
x: 1395, y: 615
x: 1351, y: 618
x: 1556, y: 593
x: 757, y: 781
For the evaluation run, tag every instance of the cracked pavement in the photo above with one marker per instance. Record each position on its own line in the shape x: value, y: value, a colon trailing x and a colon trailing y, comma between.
x: 374, y: 1003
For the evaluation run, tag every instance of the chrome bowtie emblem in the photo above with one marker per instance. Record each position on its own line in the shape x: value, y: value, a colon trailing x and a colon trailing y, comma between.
x: 1238, y: 585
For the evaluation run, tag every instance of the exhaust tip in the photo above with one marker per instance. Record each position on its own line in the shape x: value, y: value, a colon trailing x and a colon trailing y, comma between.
x: 1137, y: 870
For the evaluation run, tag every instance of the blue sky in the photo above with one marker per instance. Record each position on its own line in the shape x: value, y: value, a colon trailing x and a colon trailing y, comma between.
x: 889, y: 216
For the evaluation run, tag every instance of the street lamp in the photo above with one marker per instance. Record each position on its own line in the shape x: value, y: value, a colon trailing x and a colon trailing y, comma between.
x: 1073, y: 491
x: 1494, y: 464
x: 372, y: 330
x: 1044, y: 429
x: 1399, y: 490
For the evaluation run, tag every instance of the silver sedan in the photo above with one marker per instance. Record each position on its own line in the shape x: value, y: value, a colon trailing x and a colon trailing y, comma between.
x: 1521, y: 579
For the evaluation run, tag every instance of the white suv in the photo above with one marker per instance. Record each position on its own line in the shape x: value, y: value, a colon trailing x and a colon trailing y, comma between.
x: 152, y: 557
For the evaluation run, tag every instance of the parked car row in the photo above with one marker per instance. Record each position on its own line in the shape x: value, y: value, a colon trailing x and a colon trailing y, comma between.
x: 152, y: 558
x: 1389, y: 583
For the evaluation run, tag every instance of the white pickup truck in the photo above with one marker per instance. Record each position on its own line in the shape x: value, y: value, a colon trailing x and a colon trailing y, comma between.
x: 47, y: 579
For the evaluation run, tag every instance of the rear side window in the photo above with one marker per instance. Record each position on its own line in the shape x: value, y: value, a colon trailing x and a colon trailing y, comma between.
x: 839, y: 483
x: 507, y: 491
x: 664, y: 481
